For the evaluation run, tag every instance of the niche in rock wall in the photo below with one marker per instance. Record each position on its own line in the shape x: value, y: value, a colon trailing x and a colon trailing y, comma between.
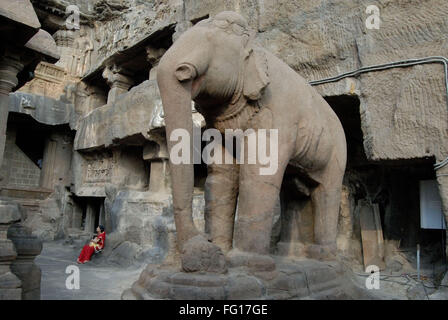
x: 88, y: 213
x: 24, y: 151
x: 402, y: 216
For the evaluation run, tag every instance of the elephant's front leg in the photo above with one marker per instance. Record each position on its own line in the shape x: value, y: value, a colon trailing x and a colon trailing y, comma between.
x: 221, y: 192
x: 257, y: 200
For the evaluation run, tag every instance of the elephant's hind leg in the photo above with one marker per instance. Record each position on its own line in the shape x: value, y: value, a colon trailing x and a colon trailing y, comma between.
x: 326, y: 199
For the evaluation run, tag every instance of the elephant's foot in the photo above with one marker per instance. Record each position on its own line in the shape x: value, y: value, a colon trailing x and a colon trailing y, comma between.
x: 255, y: 262
x: 321, y: 252
x: 199, y: 254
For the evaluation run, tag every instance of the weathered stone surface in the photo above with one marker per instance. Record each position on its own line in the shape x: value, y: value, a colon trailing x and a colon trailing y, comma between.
x: 9, y: 281
x: 198, y: 254
x: 124, y: 254
x: 43, y: 109
x: 10, y: 294
x: 103, y: 127
x: 43, y: 43
x: 20, y: 11
x: 255, y: 262
x: 293, y: 285
x: 304, y: 279
x: 10, y: 212
x: 244, y: 287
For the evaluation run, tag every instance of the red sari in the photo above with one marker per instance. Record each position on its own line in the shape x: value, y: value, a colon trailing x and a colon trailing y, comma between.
x: 90, y: 248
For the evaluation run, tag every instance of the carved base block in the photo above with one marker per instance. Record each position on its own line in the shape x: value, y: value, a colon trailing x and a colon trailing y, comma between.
x: 290, y: 279
x: 27, y: 247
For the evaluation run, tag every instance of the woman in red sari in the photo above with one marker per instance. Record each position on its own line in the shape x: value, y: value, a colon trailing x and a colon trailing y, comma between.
x: 95, y: 245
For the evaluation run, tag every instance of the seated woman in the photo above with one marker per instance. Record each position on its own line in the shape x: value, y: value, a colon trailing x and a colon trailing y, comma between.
x: 95, y: 245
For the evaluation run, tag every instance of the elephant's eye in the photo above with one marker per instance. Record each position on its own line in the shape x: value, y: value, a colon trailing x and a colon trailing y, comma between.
x: 221, y: 23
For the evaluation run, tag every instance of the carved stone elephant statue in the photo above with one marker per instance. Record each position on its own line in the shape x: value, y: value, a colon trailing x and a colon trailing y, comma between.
x: 238, y: 85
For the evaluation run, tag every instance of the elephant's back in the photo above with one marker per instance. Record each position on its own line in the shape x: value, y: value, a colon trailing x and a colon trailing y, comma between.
x: 319, y: 131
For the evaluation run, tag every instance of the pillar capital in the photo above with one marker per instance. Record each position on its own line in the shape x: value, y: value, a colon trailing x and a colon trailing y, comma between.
x: 119, y: 81
x: 117, y: 77
x: 10, y: 66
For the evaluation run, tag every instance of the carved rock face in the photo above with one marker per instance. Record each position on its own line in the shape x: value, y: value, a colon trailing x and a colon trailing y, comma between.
x: 198, y: 254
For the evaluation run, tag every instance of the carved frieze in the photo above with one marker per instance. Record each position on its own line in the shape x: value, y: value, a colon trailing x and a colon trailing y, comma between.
x: 99, y: 169
x: 49, y: 81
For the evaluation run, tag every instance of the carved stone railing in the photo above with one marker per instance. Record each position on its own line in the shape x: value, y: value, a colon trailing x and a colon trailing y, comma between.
x: 49, y: 81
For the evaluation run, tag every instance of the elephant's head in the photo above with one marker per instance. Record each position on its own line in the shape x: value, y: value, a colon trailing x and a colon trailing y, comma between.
x: 215, y: 64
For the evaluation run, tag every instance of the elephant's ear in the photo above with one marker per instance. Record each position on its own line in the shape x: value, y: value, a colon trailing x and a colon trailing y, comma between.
x: 255, y: 74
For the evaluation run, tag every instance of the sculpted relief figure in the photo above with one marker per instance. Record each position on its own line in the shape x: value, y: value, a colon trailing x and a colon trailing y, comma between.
x: 82, y: 54
x: 238, y: 85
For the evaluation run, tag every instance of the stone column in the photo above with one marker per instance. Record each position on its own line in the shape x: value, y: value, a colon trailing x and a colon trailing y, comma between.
x: 102, y: 219
x: 77, y: 217
x: 90, y: 218
x: 157, y: 154
x: 48, y: 164
x: 10, y: 285
x: 10, y: 65
x: 119, y: 81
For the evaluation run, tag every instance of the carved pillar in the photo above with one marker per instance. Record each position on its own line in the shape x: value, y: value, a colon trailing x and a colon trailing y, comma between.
x: 10, y: 285
x: 64, y: 40
x: 157, y: 154
x: 28, y: 247
x: 48, y: 164
x: 90, y: 218
x: 56, y: 160
x: 102, y: 219
x: 9, y: 67
x: 118, y: 80
x: 77, y: 217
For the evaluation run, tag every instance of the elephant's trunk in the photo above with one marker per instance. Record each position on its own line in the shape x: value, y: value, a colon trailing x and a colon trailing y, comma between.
x: 176, y: 99
x: 184, y: 62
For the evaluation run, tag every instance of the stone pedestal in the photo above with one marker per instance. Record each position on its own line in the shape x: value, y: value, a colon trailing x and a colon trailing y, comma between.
x: 10, y: 285
x: 286, y: 279
x: 28, y: 247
